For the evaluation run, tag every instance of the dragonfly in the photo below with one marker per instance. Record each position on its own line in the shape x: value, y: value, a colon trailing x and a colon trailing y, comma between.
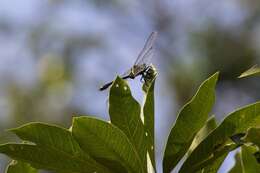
x: 141, y: 66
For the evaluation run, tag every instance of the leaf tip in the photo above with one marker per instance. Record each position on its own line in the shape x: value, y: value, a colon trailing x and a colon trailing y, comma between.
x: 11, y: 130
x: 216, y: 75
x: 253, y: 71
x: 75, y: 119
x: 120, y: 86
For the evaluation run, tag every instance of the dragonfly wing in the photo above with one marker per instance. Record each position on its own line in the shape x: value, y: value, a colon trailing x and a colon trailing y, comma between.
x: 147, y: 57
x: 146, y: 49
x: 139, y: 68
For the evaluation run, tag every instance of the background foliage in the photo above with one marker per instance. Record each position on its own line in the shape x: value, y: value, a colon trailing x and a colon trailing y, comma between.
x: 54, y: 54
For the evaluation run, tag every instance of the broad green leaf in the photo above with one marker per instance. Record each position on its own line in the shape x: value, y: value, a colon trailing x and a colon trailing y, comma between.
x: 52, y: 145
x: 20, y: 167
x: 190, y: 120
x: 215, y: 165
x: 214, y: 160
x: 42, y: 157
x: 237, y: 168
x: 125, y: 113
x: 107, y: 144
x: 203, y: 133
x: 148, y: 113
x: 249, y: 162
x: 237, y: 122
x: 47, y: 135
x: 253, y: 71
x: 253, y: 136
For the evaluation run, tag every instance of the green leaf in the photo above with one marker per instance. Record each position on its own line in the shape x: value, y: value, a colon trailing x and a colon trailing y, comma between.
x: 54, y: 149
x: 237, y: 168
x: 253, y: 136
x: 19, y: 167
x: 214, y: 160
x: 125, y: 113
x: 214, y: 167
x: 107, y: 144
x: 49, y: 136
x: 41, y: 157
x: 190, y: 120
x: 148, y: 112
x: 204, y: 131
x: 253, y: 71
x: 202, y: 134
x: 249, y: 162
x: 237, y: 122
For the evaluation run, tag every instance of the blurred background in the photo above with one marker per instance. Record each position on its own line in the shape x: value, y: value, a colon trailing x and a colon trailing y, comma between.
x: 54, y: 55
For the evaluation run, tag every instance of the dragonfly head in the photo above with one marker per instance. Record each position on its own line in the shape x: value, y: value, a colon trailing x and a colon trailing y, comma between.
x: 149, y: 76
x: 151, y: 72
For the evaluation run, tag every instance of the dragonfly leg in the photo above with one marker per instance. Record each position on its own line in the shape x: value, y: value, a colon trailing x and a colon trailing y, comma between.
x: 142, y: 79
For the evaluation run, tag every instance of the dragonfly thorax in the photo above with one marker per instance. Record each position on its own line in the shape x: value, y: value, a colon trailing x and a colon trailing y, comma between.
x: 137, y: 70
